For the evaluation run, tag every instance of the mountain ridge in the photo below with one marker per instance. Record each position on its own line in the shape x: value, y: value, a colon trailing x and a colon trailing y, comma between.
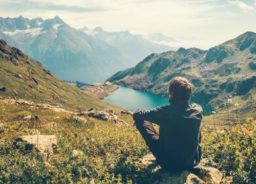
x: 226, y: 70
x: 73, y: 54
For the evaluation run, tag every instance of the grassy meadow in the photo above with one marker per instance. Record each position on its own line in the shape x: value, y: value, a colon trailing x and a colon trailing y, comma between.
x: 109, y: 153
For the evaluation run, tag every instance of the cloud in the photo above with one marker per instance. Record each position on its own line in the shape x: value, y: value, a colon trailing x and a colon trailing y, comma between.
x: 32, y: 5
x: 244, y: 6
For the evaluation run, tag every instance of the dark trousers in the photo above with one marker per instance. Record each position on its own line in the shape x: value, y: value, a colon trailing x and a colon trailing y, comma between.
x: 150, y: 135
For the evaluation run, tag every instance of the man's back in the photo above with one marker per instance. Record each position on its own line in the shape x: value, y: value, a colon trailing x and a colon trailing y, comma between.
x: 178, y: 145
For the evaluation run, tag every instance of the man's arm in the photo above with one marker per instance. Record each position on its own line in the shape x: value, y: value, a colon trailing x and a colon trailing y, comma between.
x: 153, y: 116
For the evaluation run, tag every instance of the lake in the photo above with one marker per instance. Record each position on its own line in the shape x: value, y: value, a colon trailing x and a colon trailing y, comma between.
x: 132, y: 99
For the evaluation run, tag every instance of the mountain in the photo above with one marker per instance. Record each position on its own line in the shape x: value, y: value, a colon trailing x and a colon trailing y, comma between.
x: 23, y: 78
x: 130, y: 46
x: 76, y: 54
x: 220, y: 73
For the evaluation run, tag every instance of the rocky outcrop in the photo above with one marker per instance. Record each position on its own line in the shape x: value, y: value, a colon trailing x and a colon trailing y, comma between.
x: 2, y: 89
x: 217, y: 54
x: 77, y: 120
x: 101, y: 90
x: 104, y: 115
x: 1, y: 130
x: 199, y: 175
x: 10, y: 53
x: 43, y: 143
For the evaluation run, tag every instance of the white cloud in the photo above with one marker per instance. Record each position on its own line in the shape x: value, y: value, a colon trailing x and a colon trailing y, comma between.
x: 246, y: 7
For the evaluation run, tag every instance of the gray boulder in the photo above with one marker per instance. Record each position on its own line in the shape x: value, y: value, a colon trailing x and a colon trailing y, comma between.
x: 201, y: 174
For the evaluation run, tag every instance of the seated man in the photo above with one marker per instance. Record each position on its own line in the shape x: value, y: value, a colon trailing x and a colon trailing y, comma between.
x: 176, y: 147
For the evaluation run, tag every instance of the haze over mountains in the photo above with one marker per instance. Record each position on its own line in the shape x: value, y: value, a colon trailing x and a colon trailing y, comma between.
x: 220, y: 73
x: 76, y: 54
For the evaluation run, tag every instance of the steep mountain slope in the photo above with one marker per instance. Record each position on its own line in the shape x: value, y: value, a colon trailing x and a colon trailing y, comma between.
x: 73, y: 54
x: 222, y: 72
x: 24, y: 78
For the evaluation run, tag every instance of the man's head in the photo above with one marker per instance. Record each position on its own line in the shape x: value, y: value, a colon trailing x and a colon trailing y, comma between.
x: 180, y: 90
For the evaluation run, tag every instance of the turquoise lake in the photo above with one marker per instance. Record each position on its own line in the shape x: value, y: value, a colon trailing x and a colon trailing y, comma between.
x: 132, y: 99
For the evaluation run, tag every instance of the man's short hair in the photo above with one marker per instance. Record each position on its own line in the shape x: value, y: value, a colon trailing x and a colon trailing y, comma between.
x: 180, y: 89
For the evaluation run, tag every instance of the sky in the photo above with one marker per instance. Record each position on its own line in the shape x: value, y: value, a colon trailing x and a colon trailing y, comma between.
x: 197, y: 23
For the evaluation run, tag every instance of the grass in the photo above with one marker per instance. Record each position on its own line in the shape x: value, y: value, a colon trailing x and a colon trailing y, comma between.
x: 30, y: 81
x: 110, y: 153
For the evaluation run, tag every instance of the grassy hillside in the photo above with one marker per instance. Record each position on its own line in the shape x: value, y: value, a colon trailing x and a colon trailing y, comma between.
x: 220, y: 73
x: 25, y: 78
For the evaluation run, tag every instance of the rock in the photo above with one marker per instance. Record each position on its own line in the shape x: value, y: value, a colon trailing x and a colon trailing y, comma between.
x: 77, y: 120
x: 2, y: 89
x: 51, y: 124
x: 106, y: 115
x: 110, y: 111
x: 34, y: 121
x: 1, y: 130
x: 44, y: 143
x: 126, y: 112
x: 201, y: 174
x: 14, y: 61
x: 91, y: 109
x: 2, y: 43
x: 35, y: 80
x: 18, y: 76
x: 77, y: 153
x: 101, y: 90
x: 26, y: 118
x: 47, y: 72
x: 11, y: 53
x: 18, y: 52
x: 101, y: 115
x: 184, y: 177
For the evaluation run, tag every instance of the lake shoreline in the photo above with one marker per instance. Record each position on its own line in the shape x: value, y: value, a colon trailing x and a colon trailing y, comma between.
x: 132, y: 99
x: 101, y: 90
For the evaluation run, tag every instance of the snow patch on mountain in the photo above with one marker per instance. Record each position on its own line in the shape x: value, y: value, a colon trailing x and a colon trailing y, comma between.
x: 56, y: 26
x: 32, y: 32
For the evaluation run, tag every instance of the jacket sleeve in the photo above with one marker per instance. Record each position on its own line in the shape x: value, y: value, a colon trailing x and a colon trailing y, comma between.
x: 153, y: 115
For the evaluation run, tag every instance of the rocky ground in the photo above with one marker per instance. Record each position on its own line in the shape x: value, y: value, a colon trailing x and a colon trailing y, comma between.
x: 201, y: 174
x: 101, y: 90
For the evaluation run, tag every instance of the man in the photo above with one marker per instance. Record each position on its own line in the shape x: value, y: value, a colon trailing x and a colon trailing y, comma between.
x: 177, y: 146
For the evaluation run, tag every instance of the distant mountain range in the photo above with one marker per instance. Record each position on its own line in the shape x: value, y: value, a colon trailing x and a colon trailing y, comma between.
x: 76, y: 54
x: 227, y: 71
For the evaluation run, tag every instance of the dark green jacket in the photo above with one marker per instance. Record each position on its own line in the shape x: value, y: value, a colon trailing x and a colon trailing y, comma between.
x: 179, y: 135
